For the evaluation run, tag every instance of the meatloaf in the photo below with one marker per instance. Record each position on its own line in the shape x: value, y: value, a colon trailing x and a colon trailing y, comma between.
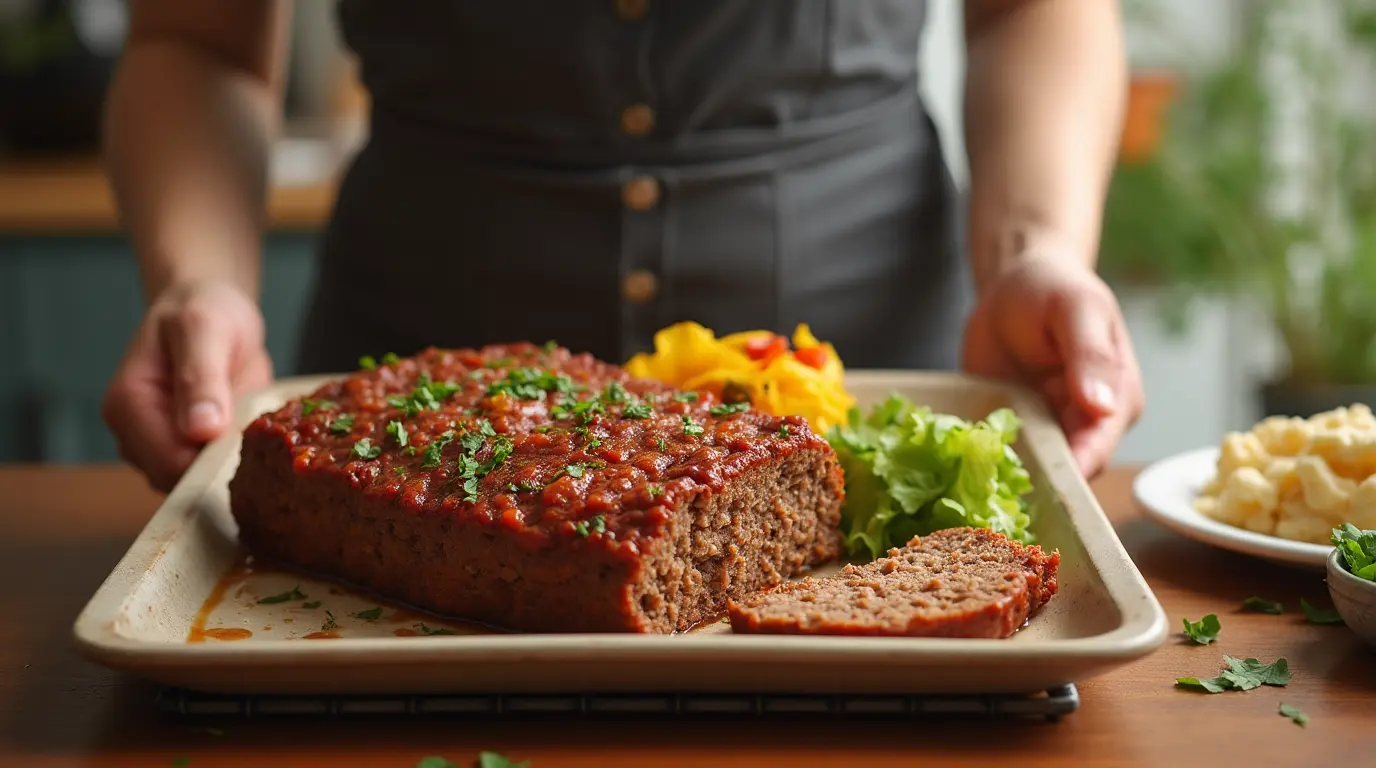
x: 959, y: 582
x: 533, y: 489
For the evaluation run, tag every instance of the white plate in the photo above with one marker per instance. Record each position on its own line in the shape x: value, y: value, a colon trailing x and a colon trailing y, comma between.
x: 1167, y: 489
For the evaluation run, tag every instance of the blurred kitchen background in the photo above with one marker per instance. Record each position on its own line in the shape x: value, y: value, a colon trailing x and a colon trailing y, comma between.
x: 1240, y: 233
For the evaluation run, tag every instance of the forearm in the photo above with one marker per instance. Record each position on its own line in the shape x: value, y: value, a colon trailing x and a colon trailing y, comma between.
x: 1044, y: 96
x: 186, y: 148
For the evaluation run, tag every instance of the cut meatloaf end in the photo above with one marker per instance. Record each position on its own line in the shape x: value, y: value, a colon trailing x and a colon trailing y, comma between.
x: 959, y: 582
x: 536, y: 490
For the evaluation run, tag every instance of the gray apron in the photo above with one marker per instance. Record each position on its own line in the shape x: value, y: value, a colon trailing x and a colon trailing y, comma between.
x: 591, y: 171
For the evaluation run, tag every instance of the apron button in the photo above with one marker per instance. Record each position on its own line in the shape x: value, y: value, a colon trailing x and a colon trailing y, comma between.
x: 630, y: 10
x: 640, y: 193
x: 639, y: 286
x: 637, y: 120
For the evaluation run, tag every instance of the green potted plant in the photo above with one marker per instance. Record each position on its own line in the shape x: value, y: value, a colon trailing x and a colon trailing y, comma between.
x: 1207, y: 212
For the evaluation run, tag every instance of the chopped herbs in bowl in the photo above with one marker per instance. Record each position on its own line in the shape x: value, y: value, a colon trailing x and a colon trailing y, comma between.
x: 1352, y: 579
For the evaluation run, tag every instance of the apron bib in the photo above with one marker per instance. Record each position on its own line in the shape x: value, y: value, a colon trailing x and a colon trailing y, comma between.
x: 591, y: 172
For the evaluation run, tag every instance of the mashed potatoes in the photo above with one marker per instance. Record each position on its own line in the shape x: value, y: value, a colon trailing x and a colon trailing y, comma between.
x: 1297, y: 478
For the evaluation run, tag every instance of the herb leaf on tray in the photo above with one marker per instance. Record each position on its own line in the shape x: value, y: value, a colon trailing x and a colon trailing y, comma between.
x: 292, y: 594
x: 1262, y: 605
x: 1204, y: 631
x: 1357, y: 549
x: 910, y: 471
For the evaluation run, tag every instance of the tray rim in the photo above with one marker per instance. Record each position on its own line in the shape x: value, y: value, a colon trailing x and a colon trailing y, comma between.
x: 1141, y: 630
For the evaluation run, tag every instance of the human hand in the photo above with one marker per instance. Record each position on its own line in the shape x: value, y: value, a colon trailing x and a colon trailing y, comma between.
x: 1056, y: 327
x: 199, y: 347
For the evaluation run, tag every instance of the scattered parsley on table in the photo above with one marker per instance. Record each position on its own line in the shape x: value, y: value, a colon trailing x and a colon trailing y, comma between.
x: 1262, y: 605
x: 1318, y: 616
x: 1241, y: 675
x: 1295, y: 714
x: 1204, y: 631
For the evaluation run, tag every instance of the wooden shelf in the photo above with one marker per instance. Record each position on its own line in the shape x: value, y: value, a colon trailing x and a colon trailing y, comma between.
x: 72, y: 196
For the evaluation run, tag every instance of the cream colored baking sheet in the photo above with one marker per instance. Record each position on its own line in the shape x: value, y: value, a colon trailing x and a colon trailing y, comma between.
x: 1104, y: 616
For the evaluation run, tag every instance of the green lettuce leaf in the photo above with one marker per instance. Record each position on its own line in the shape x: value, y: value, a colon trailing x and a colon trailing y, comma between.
x: 910, y: 471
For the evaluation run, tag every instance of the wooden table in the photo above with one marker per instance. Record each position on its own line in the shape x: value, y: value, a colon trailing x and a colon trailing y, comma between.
x: 62, y: 529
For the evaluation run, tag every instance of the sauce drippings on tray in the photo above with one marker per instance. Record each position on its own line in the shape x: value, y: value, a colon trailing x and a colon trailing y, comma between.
x: 323, y: 608
x: 200, y: 634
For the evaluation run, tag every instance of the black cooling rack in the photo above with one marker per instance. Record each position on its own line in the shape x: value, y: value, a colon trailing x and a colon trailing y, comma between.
x: 1052, y: 704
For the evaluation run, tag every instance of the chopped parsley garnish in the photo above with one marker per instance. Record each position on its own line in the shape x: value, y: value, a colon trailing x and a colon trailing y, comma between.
x: 1241, y: 675
x: 585, y: 409
x: 470, y: 490
x: 435, y: 761
x: 1318, y: 616
x: 525, y: 485
x: 426, y: 630
x: 485, y: 428
x: 309, y: 406
x: 1294, y: 713
x: 434, y: 452
x: 311, y: 605
x: 656, y: 490
x: 661, y: 445
x: 637, y: 411
x: 501, y: 362
x: 501, y: 450
x: 783, y: 430
x: 426, y: 396
x: 1357, y: 550
x: 329, y: 622
x: 550, y: 346
x: 690, y: 427
x: 390, y: 359
x: 398, y: 430
x: 686, y: 397
x: 410, y: 450
x: 399, y: 471
x: 472, y: 442
x: 574, y: 470
x: 372, y: 614
x: 530, y: 384
x: 364, y: 449
x: 595, y: 524
x: 180, y: 762
x: 1262, y: 605
x: 1204, y: 631
x: 343, y: 424
x: 729, y: 408
x: 367, y: 363
x: 615, y: 393
x: 593, y: 443
x: 543, y: 429
x: 292, y: 594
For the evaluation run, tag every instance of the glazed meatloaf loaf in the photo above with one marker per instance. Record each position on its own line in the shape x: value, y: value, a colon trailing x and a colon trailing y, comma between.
x: 960, y: 582
x: 532, y: 489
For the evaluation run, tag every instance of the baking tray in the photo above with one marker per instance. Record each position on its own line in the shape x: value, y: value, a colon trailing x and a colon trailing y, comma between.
x: 1104, y: 616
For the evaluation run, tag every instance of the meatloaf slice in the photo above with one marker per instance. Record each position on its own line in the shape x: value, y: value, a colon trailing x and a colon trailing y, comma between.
x: 533, y: 489
x: 960, y: 582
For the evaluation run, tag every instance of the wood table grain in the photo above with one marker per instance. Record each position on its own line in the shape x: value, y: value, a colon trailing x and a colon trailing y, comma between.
x: 63, y: 528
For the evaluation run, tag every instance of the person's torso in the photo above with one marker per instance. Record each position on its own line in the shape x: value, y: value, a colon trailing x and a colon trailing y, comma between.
x: 594, y: 171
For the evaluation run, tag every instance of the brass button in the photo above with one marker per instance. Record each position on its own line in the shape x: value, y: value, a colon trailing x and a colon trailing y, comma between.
x: 637, y: 120
x: 630, y: 10
x: 639, y: 286
x: 640, y: 193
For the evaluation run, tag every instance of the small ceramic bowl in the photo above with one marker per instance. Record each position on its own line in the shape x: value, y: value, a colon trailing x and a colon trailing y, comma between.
x: 1355, y: 598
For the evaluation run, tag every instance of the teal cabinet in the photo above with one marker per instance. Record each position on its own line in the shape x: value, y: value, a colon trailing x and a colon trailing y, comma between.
x: 68, y: 308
